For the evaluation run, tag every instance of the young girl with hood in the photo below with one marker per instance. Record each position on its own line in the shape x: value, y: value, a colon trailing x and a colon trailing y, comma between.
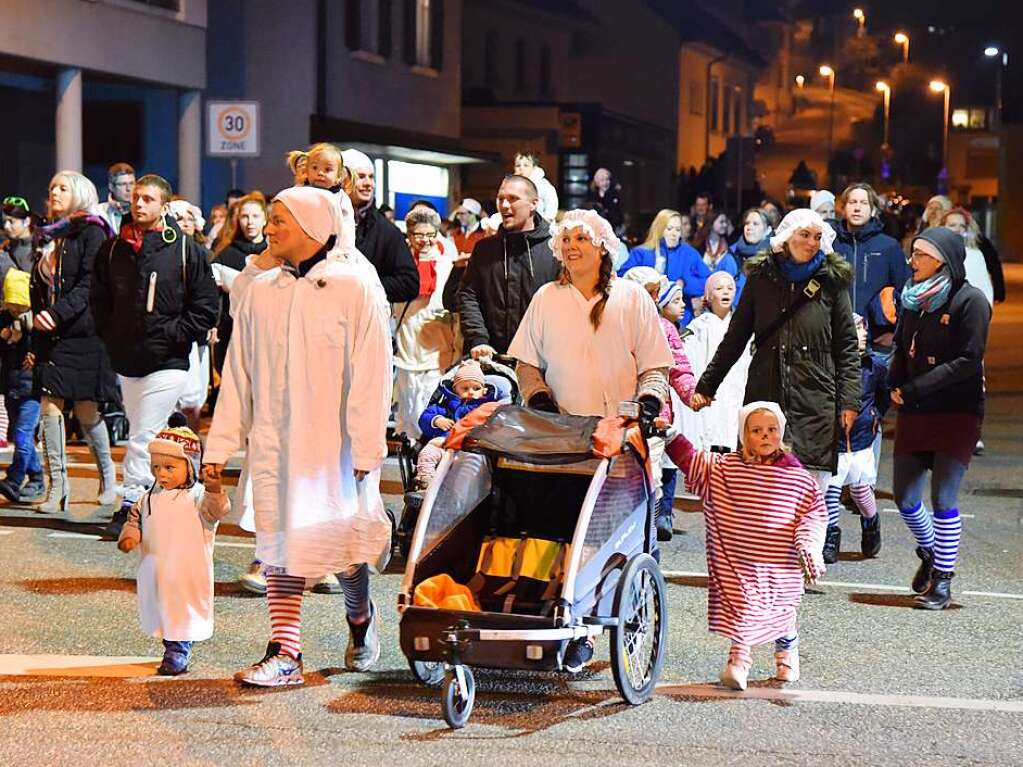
x: 937, y: 381
x: 765, y: 523
x: 527, y: 164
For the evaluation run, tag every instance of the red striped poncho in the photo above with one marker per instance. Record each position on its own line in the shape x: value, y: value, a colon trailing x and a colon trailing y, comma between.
x: 758, y: 518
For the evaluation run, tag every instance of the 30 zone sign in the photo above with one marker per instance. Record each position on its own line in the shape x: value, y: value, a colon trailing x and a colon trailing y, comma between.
x: 233, y: 128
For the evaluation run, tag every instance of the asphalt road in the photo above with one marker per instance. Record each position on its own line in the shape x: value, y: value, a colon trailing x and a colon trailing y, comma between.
x: 882, y: 684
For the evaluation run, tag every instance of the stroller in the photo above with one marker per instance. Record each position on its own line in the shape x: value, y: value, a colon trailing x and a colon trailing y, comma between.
x: 498, y: 373
x: 566, y: 504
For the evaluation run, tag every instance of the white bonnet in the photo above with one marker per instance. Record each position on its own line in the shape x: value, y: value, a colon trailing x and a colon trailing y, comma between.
x: 181, y: 207
x: 596, y: 227
x: 801, y: 218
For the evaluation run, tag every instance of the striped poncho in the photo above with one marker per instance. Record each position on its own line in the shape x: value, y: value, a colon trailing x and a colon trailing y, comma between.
x: 759, y: 517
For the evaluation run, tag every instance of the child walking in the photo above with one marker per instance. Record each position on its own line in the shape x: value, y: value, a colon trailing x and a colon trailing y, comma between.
x: 24, y: 481
x: 454, y: 399
x: 857, y: 463
x: 765, y: 522
x: 175, y: 523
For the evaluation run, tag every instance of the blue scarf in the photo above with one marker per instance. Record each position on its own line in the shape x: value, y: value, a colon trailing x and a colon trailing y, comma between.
x: 929, y: 295
x: 743, y: 250
x: 794, y: 272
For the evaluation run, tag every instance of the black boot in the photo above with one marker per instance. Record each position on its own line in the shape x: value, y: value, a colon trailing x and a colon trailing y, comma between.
x: 939, y: 595
x: 113, y: 528
x: 664, y: 528
x: 923, y: 573
x: 870, y: 536
x: 832, y: 544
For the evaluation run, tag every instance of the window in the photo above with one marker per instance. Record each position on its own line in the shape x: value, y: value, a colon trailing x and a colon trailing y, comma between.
x: 545, y: 70
x: 970, y: 119
x: 490, y: 58
x: 715, y: 88
x: 424, y: 33
x: 737, y: 126
x: 520, y: 65
x: 696, y: 105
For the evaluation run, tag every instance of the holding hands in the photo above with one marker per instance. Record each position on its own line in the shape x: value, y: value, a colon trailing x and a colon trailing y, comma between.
x: 211, y: 477
x: 699, y: 402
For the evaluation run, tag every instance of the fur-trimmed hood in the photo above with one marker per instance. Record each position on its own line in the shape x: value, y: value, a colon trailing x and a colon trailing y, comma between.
x: 835, y: 268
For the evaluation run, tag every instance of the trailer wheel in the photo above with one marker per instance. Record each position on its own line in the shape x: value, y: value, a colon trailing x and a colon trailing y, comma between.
x: 639, y: 640
x: 456, y: 703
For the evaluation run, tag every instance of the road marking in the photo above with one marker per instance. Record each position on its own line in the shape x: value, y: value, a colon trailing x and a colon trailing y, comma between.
x: 6, y: 532
x: 232, y: 544
x: 896, y: 511
x: 77, y: 665
x: 855, y: 585
x: 80, y: 536
x: 707, y: 691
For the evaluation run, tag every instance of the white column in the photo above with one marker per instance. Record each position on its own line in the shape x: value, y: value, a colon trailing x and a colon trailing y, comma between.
x: 190, y: 146
x: 69, y: 119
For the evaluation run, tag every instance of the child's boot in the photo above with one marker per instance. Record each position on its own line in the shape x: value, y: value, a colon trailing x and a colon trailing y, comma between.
x: 736, y: 671
x: 870, y: 536
x: 176, y: 656
x: 787, y: 665
x: 939, y: 595
x: 832, y: 544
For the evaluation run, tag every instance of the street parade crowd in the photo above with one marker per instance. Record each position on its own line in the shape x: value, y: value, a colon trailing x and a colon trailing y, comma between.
x: 769, y: 349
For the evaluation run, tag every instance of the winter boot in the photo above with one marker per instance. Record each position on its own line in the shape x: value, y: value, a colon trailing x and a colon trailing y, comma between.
x: 34, y: 488
x: 57, y: 494
x: 870, y: 536
x: 939, y: 595
x: 99, y: 443
x: 922, y: 578
x: 665, y: 528
x: 117, y: 520
x: 832, y: 544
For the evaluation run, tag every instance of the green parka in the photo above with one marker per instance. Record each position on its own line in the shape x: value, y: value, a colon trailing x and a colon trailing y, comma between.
x: 810, y: 366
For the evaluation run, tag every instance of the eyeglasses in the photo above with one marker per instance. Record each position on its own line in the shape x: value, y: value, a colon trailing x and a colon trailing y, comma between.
x: 16, y: 202
x: 423, y: 237
x: 918, y: 255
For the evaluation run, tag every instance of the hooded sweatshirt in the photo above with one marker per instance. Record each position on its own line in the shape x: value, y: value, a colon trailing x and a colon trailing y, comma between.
x: 938, y: 359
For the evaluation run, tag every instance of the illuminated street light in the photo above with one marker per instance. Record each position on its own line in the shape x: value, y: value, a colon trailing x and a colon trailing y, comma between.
x: 993, y: 51
x: 861, y: 19
x: 901, y: 38
x: 886, y: 90
x: 800, y: 81
x: 940, y: 86
x: 829, y: 73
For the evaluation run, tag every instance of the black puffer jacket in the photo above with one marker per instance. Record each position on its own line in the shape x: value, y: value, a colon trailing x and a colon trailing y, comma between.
x: 938, y: 357
x: 385, y: 247
x: 499, y: 282
x: 71, y: 362
x: 810, y: 366
x: 144, y: 336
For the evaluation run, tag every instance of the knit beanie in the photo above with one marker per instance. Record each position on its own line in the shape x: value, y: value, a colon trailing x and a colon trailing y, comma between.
x: 469, y: 370
x: 354, y: 159
x: 820, y: 197
x: 673, y: 289
x: 16, y: 288
x: 713, y: 281
x: 179, y: 442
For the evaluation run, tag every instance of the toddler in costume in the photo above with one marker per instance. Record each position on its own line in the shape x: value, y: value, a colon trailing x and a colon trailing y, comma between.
x: 765, y: 521
x: 454, y: 399
x: 857, y: 461
x: 176, y: 522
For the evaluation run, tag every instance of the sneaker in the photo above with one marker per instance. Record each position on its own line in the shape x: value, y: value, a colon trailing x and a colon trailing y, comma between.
x: 113, y: 528
x: 734, y: 677
x: 578, y: 653
x: 363, y: 649
x: 34, y: 488
x: 328, y: 584
x: 665, y: 529
x: 870, y: 536
x: 787, y: 665
x: 253, y: 579
x: 277, y: 669
x: 176, y: 656
x: 10, y: 491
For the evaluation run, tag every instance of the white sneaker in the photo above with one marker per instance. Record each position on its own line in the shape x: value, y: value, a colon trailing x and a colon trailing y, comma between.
x: 734, y: 676
x: 253, y: 579
x: 275, y: 670
x: 787, y: 664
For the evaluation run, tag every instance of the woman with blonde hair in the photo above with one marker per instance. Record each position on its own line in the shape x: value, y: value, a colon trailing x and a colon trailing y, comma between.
x: 69, y: 359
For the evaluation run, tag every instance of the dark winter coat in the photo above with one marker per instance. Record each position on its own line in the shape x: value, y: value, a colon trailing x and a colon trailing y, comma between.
x: 609, y: 205
x: 938, y: 357
x: 71, y: 362
x: 993, y: 261
x: 143, y: 337
x: 499, y: 282
x: 874, y: 402
x: 17, y: 382
x: 446, y: 404
x: 877, y: 261
x: 384, y: 245
x: 810, y: 366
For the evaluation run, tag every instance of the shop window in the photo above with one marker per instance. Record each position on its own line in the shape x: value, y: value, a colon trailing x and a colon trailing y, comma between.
x: 424, y: 33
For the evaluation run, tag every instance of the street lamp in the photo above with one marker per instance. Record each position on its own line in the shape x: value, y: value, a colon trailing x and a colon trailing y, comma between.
x: 939, y: 86
x: 901, y: 38
x: 994, y: 52
x: 886, y: 90
x: 800, y: 81
x: 829, y: 73
x: 861, y: 19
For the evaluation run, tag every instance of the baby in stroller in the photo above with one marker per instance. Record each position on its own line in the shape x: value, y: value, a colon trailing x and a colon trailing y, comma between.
x: 454, y: 398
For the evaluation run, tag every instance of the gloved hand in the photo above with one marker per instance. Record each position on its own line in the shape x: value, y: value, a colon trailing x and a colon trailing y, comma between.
x: 542, y: 401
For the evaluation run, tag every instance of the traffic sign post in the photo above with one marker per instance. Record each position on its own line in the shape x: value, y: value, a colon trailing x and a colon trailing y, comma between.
x: 232, y: 129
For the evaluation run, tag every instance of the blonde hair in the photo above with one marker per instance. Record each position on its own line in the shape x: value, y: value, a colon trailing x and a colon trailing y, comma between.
x: 747, y: 454
x: 297, y: 159
x: 231, y: 230
x: 655, y: 233
x: 83, y: 191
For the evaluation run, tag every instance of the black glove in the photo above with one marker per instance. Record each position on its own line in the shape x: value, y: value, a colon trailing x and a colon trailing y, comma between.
x: 650, y: 409
x: 542, y: 401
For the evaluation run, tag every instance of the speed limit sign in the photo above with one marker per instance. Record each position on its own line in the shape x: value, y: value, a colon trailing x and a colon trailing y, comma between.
x: 233, y: 128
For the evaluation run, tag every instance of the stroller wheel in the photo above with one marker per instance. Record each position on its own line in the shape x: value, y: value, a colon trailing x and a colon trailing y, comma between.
x: 456, y: 704
x: 638, y: 641
x: 426, y: 672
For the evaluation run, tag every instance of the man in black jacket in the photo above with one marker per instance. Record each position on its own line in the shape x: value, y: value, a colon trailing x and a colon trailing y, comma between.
x: 377, y: 238
x: 505, y: 271
x: 153, y: 296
